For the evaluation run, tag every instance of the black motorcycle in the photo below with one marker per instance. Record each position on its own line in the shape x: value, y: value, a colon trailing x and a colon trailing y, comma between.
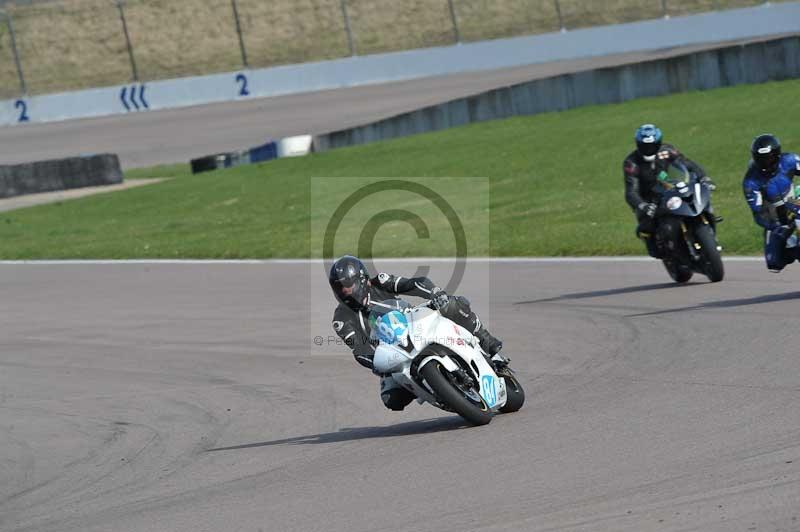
x: 686, y: 233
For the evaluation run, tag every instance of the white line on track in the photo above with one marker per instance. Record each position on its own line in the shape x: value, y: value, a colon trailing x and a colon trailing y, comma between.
x: 531, y: 260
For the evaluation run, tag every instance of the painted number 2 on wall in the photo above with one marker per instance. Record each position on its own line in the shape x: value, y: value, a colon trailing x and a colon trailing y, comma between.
x: 241, y: 81
x: 22, y: 107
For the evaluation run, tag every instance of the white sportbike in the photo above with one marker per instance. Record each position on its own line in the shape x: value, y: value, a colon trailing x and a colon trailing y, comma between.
x: 442, y: 363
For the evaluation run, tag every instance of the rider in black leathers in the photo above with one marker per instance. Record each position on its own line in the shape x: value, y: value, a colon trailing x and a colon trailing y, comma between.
x: 641, y: 169
x: 357, y: 292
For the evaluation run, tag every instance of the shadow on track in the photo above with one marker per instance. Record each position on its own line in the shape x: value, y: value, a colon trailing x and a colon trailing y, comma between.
x: 362, y: 433
x: 601, y: 293
x: 731, y: 303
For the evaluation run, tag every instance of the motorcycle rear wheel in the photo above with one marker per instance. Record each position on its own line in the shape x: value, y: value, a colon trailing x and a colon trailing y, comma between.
x: 435, y: 375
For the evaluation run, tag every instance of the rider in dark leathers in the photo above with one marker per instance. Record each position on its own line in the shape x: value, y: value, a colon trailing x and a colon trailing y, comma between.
x: 357, y: 293
x: 641, y: 168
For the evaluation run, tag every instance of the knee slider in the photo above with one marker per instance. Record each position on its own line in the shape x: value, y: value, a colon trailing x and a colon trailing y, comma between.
x: 396, y: 399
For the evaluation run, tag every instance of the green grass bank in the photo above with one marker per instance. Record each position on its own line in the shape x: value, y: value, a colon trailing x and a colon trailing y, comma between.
x: 554, y: 188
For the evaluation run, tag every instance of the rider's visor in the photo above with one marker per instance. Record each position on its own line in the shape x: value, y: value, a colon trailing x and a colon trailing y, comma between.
x: 344, y: 283
x: 648, y: 149
x: 767, y: 162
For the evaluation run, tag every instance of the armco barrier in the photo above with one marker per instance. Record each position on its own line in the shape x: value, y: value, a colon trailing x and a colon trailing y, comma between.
x: 736, y: 24
x: 724, y: 67
x: 59, y: 174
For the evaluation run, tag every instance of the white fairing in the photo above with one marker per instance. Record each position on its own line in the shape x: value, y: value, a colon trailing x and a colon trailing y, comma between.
x: 426, y: 327
x: 389, y: 358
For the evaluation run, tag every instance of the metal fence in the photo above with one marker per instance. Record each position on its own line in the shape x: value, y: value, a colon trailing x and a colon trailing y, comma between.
x: 56, y: 45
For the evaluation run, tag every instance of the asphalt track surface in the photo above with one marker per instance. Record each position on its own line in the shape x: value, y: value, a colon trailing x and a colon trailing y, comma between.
x: 191, y: 397
x: 172, y: 136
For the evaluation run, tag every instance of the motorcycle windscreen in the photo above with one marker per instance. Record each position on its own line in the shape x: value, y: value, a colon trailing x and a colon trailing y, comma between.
x: 674, y: 176
x: 681, y: 192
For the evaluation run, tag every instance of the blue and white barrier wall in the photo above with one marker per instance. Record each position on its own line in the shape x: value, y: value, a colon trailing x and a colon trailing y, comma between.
x: 758, y: 62
x: 749, y: 23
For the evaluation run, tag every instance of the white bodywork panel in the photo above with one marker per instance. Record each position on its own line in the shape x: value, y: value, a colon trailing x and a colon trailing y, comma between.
x: 427, y: 327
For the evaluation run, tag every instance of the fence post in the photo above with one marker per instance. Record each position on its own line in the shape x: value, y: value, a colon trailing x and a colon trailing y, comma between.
x: 346, y: 16
x: 560, y: 16
x: 134, y: 70
x: 239, y: 33
x: 17, y: 61
x: 664, y: 9
x: 454, y: 19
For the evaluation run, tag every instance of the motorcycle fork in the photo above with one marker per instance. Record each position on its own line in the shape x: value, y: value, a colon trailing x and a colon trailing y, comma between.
x: 693, y: 246
x: 463, y: 378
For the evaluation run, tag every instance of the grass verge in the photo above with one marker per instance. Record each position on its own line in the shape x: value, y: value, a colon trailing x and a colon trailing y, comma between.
x: 555, y: 187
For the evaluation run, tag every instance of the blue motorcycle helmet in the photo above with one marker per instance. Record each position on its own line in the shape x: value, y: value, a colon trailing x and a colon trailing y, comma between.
x: 648, y: 141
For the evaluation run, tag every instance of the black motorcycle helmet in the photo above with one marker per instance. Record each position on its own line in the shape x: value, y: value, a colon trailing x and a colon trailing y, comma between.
x: 766, y: 151
x: 349, y: 281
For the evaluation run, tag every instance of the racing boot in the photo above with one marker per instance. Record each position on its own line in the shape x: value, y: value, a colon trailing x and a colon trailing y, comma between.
x: 653, y: 249
x: 645, y: 231
x: 489, y: 343
x: 492, y: 347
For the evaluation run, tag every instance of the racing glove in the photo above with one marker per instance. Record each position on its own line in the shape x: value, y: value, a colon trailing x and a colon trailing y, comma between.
x: 782, y: 231
x: 792, y: 210
x: 648, y: 209
x: 707, y: 181
x: 440, y: 298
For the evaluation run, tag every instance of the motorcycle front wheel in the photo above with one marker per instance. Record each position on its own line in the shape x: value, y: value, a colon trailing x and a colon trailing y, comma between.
x: 712, y: 260
x: 515, y: 393
x: 447, y: 392
x: 680, y: 273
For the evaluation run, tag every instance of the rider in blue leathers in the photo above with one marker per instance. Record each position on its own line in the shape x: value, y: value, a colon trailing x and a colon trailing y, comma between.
x: 769, y: 192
